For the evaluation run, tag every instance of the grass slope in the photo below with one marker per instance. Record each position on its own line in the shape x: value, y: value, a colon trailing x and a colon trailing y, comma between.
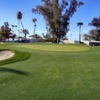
x: 52, y: 76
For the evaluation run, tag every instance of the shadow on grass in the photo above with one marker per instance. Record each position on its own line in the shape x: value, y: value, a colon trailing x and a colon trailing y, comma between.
x: 10, y: 70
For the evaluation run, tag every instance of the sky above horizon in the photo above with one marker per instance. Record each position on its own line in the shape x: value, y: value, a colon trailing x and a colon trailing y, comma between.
x: 85, y: 14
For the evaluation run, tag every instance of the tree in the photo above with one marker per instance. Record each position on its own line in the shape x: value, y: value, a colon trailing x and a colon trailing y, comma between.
x: 25, y: 31
x: 5, y: 31
x: 57, y: 15
x: 86, y: 37
x: 95, y: 33
x: 79, y: 24
x: 1, y: 36
x: 95, y: 22
x: 34, y: 20
x: 19, y: 17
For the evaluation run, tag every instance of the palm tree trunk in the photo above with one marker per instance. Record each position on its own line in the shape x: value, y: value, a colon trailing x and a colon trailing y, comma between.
x: 25, y: 37
x: 57, y: 39
x: 19, y: 28
x: 23, y: 28
x: 22, y: 24
x: 34, y: 30
x: 80, y: 34
x: 57, y: 36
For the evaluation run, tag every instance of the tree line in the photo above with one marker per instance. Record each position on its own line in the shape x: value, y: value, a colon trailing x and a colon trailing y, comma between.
x: 57, y: 15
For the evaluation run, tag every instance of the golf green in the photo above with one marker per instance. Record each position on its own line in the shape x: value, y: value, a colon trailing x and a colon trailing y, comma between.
x: 59, y: 47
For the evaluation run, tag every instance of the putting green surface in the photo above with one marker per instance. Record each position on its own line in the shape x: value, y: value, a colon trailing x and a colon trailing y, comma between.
x: 65, y: 48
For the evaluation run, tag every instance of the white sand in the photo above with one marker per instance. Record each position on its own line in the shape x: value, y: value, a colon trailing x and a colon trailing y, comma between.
x: 5, y: 54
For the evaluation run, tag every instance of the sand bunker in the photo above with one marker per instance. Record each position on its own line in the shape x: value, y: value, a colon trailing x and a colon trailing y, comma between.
x: 5, y: 54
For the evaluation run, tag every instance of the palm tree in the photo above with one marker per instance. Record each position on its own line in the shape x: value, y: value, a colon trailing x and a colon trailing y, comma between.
x: 19, y: 17
x: 79, y: 24
x: 34, y: 20
x: 25, y: 31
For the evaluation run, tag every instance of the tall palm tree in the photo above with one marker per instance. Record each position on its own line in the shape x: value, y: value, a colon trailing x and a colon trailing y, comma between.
x: 19, y: 17
x: 79, y: 24
x: 34, y: 20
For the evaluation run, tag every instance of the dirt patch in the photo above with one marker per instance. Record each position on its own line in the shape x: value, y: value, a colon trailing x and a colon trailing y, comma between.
x: 5, y: 54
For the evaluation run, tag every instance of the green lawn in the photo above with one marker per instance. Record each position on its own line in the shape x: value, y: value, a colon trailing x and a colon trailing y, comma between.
x: 52, y: 72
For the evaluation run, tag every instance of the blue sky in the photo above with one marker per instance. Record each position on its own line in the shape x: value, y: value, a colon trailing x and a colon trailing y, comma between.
x: 9, y: 9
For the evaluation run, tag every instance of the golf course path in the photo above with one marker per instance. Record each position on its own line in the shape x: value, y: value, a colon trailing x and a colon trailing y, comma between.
x: 5, y: 54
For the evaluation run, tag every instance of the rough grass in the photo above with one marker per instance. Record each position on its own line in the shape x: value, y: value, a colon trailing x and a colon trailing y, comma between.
x: 52, y: 75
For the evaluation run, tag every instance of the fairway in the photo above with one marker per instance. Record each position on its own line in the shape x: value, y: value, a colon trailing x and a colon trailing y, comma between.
x: 59, y: 47
x: 50, y: 72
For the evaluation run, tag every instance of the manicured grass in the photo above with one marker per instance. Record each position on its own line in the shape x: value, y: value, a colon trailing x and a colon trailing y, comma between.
x: 49, y: 75
x: 19, y: 56
x: 56, y: 47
